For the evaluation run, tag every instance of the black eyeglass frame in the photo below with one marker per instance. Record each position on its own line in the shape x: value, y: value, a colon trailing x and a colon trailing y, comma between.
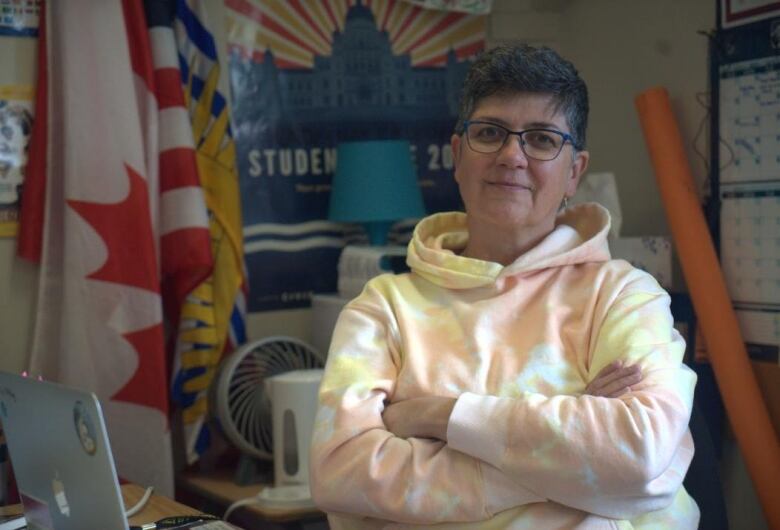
x: 567, y: 138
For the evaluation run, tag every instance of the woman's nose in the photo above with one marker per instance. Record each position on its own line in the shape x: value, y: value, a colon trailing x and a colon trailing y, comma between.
x: 511, y: 153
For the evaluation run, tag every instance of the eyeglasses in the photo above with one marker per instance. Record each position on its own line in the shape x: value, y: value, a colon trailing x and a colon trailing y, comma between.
x: 539, y: 144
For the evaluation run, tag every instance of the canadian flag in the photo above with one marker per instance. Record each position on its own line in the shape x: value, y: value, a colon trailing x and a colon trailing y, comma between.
x: 108, y: 210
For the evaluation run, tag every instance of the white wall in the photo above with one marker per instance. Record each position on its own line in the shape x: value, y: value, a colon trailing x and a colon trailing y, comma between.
x: 622, y: 48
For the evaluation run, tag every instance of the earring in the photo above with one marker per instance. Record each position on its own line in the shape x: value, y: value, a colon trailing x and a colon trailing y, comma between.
x: 565, y: 202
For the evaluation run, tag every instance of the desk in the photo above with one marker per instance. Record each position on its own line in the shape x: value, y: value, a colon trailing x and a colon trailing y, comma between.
x: 213, y: 492
x: 157, y: 507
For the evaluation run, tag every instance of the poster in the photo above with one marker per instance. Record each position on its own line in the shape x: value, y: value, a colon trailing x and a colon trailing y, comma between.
x: 307, y: 75
x: 19, y: 18
x: 15, y: 126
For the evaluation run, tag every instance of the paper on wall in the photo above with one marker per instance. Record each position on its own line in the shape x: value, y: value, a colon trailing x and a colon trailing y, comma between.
x: 651, y: 254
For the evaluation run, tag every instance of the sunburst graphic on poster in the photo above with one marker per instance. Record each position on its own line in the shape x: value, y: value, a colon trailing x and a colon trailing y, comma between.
x: 309, y: 74
x: 299, y: 30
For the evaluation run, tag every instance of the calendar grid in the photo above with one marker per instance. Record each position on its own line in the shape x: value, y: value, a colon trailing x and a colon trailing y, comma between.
x: 750, y: 195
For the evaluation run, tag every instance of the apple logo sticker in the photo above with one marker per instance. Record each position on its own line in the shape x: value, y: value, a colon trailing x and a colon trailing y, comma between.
x: 59, y: 495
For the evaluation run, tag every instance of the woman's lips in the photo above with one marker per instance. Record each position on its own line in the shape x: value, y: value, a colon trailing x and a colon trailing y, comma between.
x: 515, y: 186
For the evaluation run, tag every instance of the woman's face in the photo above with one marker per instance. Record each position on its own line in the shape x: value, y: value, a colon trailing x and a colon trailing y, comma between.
x: 506, y: 187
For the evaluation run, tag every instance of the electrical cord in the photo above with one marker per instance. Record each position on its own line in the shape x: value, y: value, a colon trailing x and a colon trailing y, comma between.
x: 238, y: 504
x: 141, y: 503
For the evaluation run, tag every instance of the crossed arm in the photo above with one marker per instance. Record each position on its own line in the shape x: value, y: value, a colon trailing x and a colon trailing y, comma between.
x: 428, y: 417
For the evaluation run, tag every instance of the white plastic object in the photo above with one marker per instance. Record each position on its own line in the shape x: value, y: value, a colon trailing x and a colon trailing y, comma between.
x: 294, y: 406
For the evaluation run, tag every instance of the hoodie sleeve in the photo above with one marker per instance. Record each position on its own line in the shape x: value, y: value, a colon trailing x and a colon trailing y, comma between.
x: 617, y: 458
x: 359, y: 467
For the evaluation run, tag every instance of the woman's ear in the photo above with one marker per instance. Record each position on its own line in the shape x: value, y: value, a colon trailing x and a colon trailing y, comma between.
x: 455, y: 142
x: 578, y: 168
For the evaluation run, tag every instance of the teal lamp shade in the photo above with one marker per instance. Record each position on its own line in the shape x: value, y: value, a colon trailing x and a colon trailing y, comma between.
x: 375, y: 184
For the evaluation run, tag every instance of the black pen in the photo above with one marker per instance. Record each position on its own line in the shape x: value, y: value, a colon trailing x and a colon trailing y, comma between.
x: 175, y: 522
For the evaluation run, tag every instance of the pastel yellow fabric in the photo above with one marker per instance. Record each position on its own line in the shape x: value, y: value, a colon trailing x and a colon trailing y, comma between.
x: 516, y: 346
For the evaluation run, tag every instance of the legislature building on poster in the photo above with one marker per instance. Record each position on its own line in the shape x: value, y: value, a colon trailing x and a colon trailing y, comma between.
x: 306, y: 76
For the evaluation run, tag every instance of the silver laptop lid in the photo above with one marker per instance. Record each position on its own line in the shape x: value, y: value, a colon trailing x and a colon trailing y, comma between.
x: 61, y: 456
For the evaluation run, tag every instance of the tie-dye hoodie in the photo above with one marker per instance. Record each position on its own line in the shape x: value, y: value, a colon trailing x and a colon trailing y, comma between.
x: 516, y: 345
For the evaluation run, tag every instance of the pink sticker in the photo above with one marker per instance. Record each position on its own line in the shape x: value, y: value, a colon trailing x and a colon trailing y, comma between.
x: 36, y: 512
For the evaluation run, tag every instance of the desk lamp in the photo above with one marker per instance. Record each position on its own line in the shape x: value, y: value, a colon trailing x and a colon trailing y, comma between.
x: 375, y: 184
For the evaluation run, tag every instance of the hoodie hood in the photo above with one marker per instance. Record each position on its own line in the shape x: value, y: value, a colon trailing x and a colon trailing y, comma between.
x: 580, y: 236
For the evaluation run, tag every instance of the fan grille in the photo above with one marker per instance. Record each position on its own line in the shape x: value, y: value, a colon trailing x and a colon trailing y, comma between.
x: 242, y: 404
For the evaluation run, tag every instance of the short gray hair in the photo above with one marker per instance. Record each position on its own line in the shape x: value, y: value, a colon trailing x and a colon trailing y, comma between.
x: 519, y: 68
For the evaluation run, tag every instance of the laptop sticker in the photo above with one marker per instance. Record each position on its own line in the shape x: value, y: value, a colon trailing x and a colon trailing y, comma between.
x: 85, y: 428
x: 36, y: 512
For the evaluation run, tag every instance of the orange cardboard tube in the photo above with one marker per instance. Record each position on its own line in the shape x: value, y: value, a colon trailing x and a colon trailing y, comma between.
x: 744, y: 405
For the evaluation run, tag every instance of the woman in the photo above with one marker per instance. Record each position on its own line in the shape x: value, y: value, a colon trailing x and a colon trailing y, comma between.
x: 495, y: 386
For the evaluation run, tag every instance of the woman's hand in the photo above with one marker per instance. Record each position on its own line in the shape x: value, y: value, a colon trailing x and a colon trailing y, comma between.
x: 614, y: 380
x: 423, y: 417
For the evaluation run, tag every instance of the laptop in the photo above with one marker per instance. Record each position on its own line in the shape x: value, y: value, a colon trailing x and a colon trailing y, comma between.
x: 61, y: 456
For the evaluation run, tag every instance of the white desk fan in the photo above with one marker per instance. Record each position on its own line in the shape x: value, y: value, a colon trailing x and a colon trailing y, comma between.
x: 241, y: 395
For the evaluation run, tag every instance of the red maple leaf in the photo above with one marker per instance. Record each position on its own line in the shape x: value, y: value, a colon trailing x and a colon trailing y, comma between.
x: 148, y: 385
x: 126, y: 230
